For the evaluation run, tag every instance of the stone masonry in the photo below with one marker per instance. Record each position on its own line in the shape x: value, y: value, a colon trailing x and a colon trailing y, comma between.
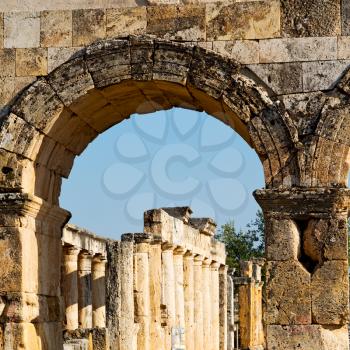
x: 145, y: 291
x: 276, y: 71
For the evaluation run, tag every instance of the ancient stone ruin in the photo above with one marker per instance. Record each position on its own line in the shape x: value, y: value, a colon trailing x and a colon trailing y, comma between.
x: 165, y: 288
x: 275, y: 71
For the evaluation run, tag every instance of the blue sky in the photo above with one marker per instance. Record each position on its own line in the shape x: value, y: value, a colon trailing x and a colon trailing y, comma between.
x: 168, y: 158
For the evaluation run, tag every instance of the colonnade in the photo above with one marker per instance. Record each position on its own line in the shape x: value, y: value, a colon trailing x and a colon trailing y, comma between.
x: 83, y: 280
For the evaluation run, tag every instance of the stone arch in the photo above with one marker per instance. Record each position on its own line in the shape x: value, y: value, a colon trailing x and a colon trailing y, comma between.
x: 55, y: 118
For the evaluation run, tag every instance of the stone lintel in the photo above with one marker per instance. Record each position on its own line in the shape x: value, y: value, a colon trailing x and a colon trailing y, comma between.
x: 206, y: 226
x: 182, y: 213
x: 139, y: 237
x: 300, y: 202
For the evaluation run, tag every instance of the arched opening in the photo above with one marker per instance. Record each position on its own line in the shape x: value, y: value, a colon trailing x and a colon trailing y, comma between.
x: 169, y: 158
x: 55, y: 119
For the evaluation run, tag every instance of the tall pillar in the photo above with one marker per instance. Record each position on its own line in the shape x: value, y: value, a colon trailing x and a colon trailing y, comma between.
x: 189, y: 301
x: 120, y: 294
x: 230, y: 314
x: 30, y: 272
x: 307, y: 267
x: 179, y: 332
x: 141, y: 293
x: 223, y: 292
x: 85, y: 289
x: 70, y: 286
x: 168, y: 293
x: 155, y: 292
x: 198, y: 303
x: 207, y: 304
x: 215, y: 312
x: 99, y: 291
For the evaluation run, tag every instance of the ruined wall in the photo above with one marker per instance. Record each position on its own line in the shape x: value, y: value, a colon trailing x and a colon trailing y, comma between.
x: 165, y: 288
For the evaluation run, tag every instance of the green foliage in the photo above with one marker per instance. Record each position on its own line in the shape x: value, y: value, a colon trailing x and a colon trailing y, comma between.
x: 243, y: 244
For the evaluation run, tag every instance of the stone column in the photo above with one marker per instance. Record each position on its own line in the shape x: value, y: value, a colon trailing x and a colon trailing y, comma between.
x: 168, y: 293
x: 99, y: 291
x: 198, y: 303
x: 230, y: 314
x: 179, y: 297
x: 155, y: 292
x: 85, y: 289
x: 223, y: 291
x: 215, y: 312
x: 307, y: 267
x: 207, y: 304
x: 30, y: 273
x: 120, y: 294
x: 70, y: 286
x: 141, y: 293
x: 189, y: 301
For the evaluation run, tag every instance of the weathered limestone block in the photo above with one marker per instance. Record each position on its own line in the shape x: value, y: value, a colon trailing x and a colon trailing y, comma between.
x: 307, y: 337
x: 325, y: 239
x: 211, y: 73
x: 297, y: 49
x: 7, y: 91
x: 318, y: 18
x: 141, y: 58
x: 112, y: 63
x: 243, y: 20
x: 288, y: 281
x: 71, y: 80
x: 8, y: 63
x: 39, y: 105
x: 126, y: 21
x: 17, y: 334
x: 56, y: 28
x: 330, y: 293
x: 1, y: 30
x: 31, y: 62
x: 282, y: 78
x: 282, y: 239
x: 171, y: 63
x: 21, y: 30
x: 88, y: 25
x: 322, y: 75
x: 185, y: 22
x: 59, y: 55
x: 243, y: 51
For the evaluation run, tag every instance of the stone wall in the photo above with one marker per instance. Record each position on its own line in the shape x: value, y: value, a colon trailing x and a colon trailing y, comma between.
x: 164, y: 288
x: 303, y: 56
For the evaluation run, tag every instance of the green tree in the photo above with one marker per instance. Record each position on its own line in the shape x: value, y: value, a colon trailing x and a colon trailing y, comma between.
x: 243, y: 244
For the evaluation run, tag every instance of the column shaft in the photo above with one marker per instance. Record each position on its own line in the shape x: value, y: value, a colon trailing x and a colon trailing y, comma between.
x: 70, y: 286
x: 215, y: 304
x: 142, y: 297
x: 168, y: 293
x: 223, y: 292
x: 198, y: 303
x: 99, y: 291
x: 207, y: 305
x: 189, y: 301
x: 155, y: 292
x: 85, y: 290
x: 179, y: 297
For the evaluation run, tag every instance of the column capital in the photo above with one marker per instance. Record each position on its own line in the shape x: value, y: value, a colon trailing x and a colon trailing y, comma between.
x: 71, y: 250
x: 223, y: 269
x: 214, y: 265
x: 198, y: 259
x: 298, y: 202
x: 206, y: 262
x: 99, y: 258
x: 168, y: 246
x: 180, y: 251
